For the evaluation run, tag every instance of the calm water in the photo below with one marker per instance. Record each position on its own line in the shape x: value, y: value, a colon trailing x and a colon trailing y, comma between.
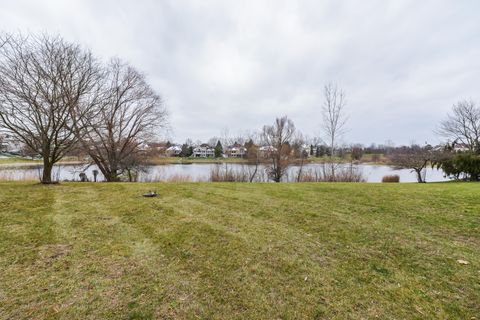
x: 201, y: 172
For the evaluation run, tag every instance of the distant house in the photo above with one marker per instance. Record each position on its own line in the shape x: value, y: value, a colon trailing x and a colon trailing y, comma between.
x: 143, y: 147
x: 265, y: 151
x: 236, y: 151
x: 8, y: 143
x: 305, y: 150
x: 439, y: 147
x: 204, y: 151
x: 460, y: 147
x: 173, y: 151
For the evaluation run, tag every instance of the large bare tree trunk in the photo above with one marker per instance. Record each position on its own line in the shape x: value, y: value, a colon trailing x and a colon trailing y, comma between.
x: 419, y: 175
x: 47, y: 171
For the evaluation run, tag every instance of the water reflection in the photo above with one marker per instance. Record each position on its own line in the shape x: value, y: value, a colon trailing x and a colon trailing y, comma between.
x: 201, y: 172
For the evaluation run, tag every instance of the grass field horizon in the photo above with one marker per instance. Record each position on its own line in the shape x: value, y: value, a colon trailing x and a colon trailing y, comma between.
x: 239, y: 251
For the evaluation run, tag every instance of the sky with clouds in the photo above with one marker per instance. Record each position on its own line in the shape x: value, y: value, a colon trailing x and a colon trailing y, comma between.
x: 236, y: 65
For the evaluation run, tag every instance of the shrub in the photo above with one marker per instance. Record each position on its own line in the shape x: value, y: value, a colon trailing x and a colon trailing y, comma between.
x: 329, y: 172
x: 218, y: 174
x: 357, y: 153
x: 391, y: 178
x: 245, y: 173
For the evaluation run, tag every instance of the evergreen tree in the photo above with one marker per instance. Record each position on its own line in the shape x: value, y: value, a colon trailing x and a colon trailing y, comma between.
x: 187, y: 151
x: 218, y: 149
x: 465, y: 165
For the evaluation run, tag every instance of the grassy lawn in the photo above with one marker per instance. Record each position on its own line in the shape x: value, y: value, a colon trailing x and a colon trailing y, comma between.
x: 239, y: 251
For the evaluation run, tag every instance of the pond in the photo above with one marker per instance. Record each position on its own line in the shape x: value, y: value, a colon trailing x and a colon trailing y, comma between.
x: 201, y: 172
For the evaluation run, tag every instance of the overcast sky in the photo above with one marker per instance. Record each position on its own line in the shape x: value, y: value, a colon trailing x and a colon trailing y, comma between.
x: 239, y: 64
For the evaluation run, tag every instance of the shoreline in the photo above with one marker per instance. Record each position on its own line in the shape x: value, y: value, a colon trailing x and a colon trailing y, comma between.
x: 35, y: 164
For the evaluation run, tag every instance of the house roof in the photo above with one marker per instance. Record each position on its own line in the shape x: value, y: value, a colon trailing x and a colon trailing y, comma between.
x: 268, y: 148
x: 207, y: 147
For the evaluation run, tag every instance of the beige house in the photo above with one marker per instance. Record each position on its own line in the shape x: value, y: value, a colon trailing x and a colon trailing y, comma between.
x: 204, y: 151
x: 236, y: 151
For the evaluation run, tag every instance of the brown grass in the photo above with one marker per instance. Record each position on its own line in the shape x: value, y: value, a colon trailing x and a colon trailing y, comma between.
x: 391, y: 178
x: 332, y: 173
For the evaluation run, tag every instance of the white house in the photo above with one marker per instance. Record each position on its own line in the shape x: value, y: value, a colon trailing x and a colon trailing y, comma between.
x: 173, y: 151
x: 204, y: 151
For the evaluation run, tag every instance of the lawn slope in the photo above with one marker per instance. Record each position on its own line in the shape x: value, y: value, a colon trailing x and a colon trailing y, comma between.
x: 239, y: 251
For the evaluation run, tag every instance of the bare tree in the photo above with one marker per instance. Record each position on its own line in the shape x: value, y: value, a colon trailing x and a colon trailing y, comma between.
x: 463, y: 125
x: 2, y: 143
x: 3, y: 39
x: 413, y: 157
x: 333, y: 115
x: 131, y: 113
x: 46, y: 86
x: 299, y: 154
x: 278, y: 138
x: 253, y: 157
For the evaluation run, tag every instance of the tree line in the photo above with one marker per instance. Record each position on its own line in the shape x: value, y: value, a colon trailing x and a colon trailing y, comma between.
x: 459, y: 158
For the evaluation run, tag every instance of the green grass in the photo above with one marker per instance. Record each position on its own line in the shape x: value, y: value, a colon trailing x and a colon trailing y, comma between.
x: 239, y: 251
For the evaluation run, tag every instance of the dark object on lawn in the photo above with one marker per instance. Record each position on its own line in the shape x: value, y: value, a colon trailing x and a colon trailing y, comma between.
x: 150, y: 194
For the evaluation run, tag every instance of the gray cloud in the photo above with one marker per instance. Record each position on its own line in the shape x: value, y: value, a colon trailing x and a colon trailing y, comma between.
x: 238, y: 64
